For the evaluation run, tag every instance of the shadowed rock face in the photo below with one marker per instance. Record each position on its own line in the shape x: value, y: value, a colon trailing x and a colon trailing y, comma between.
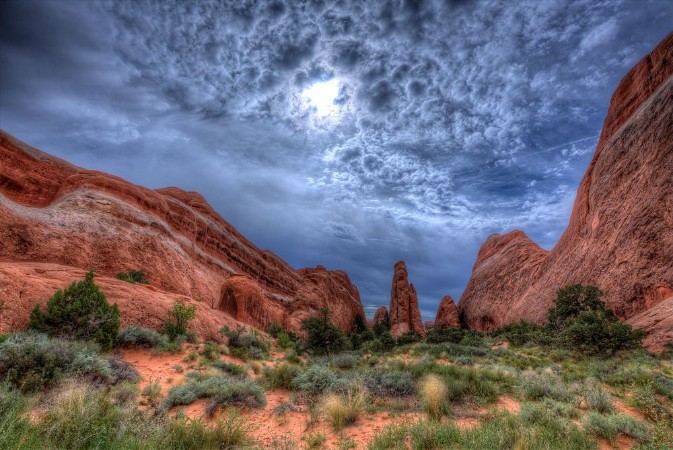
x: 404, y: 313
x: 54, y: 212
x: 620, y: 233
x: 447, y: 314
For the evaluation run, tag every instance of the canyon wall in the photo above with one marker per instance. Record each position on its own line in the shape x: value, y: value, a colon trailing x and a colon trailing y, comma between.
x: 54, y: 212
x: 620, y: 233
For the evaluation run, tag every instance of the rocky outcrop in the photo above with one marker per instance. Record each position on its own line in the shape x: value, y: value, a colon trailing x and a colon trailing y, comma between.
x: 54, y: 212
x: 25, y: 284
x: 658, y: 322
x: 447, y: 314
x: 404, y: 313
x: 380, y: 315
x: 620, y: 233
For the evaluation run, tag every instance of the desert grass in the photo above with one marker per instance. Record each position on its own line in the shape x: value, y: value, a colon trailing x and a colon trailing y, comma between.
x: 433, y: 394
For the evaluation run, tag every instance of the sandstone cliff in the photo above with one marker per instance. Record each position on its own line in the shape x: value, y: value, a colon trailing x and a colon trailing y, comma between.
x: 620, y: 233
x: 447, y: 314
x: 404, y: 313
x: 54, y: 212
x: 380, y: 315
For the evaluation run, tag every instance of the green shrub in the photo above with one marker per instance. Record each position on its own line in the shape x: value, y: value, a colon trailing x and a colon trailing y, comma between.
x: 178, y: 324
x: 139, y: 337
x: 408, y: 338
x: 581, y: 322
x: 441, y: 335
x: 133, y: 276
x: 389, y: 383
x: 284, y: 340
x: 32, y: 362
x: 594, y: 332
x: 519, y: 333
x: 79, y: 312
x: 274, y: 329
x: 322, y: 336
x: 281, y: 376
x: 221, y: 391
x: 210, y: 351
x: 318, y: 379
x: 345, y: 360
x: 246, y: 344
x: 292, y: 357
x: 573, y: 300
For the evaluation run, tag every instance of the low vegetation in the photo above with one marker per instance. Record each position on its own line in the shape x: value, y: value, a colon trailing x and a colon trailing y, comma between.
x: 538, y: 392
x: 133, y: 276
x: 81, y: 311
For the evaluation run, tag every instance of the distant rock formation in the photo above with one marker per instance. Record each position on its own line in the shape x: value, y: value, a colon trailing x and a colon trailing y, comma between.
x: 380, y: 315
x: 404, y: 313
x: 54, y: 212
x: 620, y: 233
x: 447, y: 314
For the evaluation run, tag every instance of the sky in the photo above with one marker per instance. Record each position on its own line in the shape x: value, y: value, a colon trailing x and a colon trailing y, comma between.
x: 347, y: 134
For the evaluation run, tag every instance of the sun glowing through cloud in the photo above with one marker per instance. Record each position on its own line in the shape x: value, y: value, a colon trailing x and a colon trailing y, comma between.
x: 320, y: 97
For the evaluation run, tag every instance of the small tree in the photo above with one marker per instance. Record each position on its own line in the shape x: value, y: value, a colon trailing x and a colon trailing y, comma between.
x: 359, y: 324
x: 382, y: 326
x: 79, y: 312
x: 582, y: 322
x: 574, y: 299
x: 322, y: 337
x: 182, y: 315
x: 134, y: 276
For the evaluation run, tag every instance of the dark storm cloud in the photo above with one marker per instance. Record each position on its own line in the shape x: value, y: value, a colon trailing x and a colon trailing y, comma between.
x: 452, y: 119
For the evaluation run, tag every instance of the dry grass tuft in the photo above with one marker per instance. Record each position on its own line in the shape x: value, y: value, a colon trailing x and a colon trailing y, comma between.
x: 433, y: 393
x: 343, y: 410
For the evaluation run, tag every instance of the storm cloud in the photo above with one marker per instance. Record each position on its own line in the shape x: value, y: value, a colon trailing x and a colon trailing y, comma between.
x: 451, y: 120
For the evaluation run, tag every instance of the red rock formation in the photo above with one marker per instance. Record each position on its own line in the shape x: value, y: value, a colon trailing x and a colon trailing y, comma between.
x: 447, y: 314
x: 620, y: 233
x: 54, y: 212
x: 380, y: 315
x: 25, y: 284
x: 658, y: 322
x: 404, y: 313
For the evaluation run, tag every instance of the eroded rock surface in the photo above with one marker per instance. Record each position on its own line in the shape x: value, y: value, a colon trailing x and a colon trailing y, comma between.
x: 54, y: 212
x: 380, y: 315
x: 447, y: 314
x: 620, y: 233
x: 404, y: 313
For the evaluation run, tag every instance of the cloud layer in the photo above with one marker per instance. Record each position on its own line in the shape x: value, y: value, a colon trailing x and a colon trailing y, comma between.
x: 453, y: 119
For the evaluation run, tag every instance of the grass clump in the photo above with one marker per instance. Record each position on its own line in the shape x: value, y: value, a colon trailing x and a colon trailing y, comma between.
x: 597, y: 399
x: 221, y: 390
x: 345, y: 360
x: 343, y: 410
x: 389, y: 383
x: 32, y: 362
x: 538, y: 387
x: 230, y: 368
x: 281, y: 376
x: 134, y: 336
x: 609, y: 426
x: 246, y: 344
x: 318, y: 379
x: 433, y: 393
